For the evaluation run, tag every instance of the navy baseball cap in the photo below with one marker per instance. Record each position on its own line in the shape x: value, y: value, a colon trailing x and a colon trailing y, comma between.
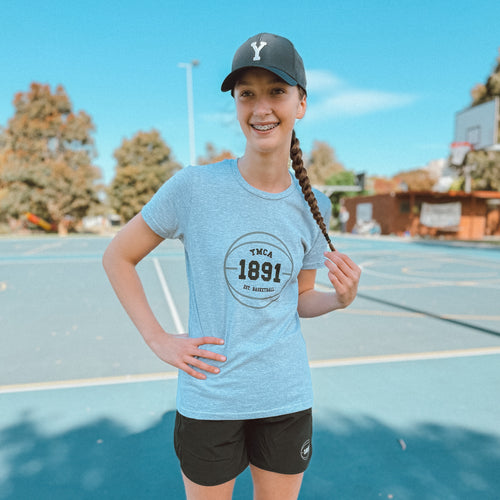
x: 272, y: 52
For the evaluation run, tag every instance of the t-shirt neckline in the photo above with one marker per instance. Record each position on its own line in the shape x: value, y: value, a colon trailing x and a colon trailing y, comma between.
x: 257, y: 192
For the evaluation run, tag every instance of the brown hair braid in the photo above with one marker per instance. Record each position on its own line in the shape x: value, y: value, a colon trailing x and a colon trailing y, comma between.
x: 305, y: 184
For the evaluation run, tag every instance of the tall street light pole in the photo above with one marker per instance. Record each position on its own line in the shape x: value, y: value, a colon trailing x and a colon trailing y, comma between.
x: 189, y: 85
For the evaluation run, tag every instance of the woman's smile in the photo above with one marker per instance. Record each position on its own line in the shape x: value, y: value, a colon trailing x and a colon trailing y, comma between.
x: 264, y: 127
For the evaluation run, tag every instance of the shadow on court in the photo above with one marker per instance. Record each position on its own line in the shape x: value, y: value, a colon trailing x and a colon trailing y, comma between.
x: 367, y: 461
x: 101, y: 460
x: 360, y: 459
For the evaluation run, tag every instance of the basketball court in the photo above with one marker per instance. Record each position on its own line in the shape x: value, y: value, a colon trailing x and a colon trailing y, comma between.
x: 406, y: 379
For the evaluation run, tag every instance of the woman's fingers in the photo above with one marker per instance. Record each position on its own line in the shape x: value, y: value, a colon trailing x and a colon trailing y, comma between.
x: 194, y: 359
x: 344, y: 276
x: 185, y: 354
x: 337, y: 260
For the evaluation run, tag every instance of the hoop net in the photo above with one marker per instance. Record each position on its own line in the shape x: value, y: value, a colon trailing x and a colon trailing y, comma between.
x: 459, y: 151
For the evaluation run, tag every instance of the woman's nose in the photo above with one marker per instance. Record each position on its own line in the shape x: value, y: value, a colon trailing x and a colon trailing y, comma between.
x: 262, y: 107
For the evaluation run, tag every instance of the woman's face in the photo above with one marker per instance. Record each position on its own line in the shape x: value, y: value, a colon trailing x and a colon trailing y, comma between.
x: 267, y: 108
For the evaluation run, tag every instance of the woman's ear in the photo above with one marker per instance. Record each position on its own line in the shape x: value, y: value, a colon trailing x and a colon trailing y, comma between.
x: 301, y: 109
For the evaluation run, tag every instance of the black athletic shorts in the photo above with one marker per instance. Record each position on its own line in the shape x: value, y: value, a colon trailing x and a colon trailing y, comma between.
x: 212, y: 452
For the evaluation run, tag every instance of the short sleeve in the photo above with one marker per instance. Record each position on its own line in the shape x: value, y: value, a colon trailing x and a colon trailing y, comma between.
x: 167, y: 211
x: 314, y: 258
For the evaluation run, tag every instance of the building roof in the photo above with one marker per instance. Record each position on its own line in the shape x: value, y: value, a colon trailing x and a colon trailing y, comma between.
x: 436, y: 194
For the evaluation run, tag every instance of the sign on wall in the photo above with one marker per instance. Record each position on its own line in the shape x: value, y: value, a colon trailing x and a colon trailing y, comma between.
x: 441, y: 215
x: 364, y: 212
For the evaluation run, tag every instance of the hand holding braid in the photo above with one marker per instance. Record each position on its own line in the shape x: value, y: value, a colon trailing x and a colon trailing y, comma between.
x: 305, y: 184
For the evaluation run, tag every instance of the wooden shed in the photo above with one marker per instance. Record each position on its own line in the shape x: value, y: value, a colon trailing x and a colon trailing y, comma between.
x: 453, y: 215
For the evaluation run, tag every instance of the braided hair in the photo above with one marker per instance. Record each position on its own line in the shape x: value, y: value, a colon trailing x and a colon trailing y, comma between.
x: 305, y: 184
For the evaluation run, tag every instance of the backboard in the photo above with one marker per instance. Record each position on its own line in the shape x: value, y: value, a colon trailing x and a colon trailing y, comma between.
x: 478, y: 125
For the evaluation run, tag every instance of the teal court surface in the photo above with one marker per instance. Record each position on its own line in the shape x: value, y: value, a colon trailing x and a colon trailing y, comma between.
x: 406, y: 380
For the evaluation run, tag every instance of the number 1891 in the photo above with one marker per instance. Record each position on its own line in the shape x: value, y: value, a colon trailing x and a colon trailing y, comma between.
x: 254, y: 271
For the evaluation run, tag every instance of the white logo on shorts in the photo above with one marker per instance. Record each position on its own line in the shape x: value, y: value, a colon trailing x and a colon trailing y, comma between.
x: 305, y: 451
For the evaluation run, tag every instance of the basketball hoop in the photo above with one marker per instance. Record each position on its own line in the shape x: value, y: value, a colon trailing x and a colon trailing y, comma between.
x: 459, y: 151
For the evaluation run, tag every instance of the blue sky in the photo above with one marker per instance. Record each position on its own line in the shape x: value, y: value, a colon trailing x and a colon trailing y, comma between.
x: 385, y: 77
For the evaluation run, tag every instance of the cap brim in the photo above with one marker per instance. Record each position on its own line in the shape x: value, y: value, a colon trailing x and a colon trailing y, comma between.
x: 232, y: 78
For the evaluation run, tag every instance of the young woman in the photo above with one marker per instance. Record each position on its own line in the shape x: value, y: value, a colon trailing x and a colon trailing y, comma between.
x: 254, y: 237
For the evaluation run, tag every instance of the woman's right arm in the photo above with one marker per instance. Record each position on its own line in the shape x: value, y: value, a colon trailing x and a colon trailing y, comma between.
x: 126, y: 250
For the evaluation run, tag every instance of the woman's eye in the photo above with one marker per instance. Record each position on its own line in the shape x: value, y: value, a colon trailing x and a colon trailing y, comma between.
x: 278, y: 91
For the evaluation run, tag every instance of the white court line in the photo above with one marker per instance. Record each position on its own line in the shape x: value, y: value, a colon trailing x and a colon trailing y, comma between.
x: 41, y: 248
x: 416, y: 275
x: 168, y: 297
x: 323, y: 363
x: 87, y: 382
x: 397, y: 358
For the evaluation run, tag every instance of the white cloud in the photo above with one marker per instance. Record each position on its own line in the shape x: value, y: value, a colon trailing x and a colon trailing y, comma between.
x: 334, y: 98
x: 319, y: 80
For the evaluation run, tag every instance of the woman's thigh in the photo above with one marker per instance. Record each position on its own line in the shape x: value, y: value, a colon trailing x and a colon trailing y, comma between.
x: 197, y: 492
x: 273, y: 486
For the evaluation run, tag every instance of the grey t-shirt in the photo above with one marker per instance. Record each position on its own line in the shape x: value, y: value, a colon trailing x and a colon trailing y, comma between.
x: 244, y: 249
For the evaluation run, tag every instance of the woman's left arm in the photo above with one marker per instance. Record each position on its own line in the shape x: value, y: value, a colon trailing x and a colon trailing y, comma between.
x: 343, y: 274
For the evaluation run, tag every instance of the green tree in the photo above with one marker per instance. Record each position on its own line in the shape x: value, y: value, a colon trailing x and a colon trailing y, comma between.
x: 340, y: 178
x: 322, y: 163
x: 485, y: 173
x: 46, y: 154
x: 144, y: 163
x: 487, y: 91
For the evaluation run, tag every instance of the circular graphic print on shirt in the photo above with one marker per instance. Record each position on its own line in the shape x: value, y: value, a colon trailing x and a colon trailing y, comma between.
x: 257, y: 267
